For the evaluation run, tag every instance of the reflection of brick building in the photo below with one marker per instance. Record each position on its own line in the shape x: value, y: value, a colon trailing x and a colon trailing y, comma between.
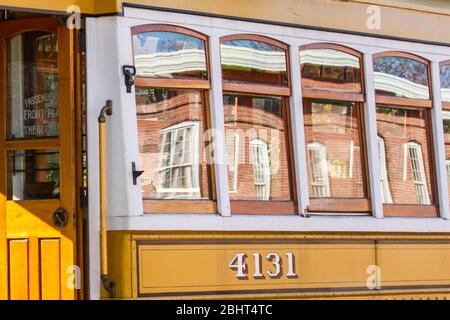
x: 253, y: 124
x: 397, y: 130
x: 447, y: 147
x: 157, y: 112
x: 255, y: 141
x: 333, y: 150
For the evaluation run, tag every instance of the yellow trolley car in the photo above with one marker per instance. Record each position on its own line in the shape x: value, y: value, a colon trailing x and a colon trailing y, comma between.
x: 246, y: 149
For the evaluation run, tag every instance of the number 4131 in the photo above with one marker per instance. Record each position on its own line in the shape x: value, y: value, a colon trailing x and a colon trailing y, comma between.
x: 240, y: 266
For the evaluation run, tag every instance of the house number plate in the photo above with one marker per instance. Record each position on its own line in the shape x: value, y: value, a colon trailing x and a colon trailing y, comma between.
x: 278, y: 263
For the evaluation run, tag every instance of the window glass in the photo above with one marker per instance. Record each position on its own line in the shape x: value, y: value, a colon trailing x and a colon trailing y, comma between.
x: 32, y: 99
x: 171, y: 128
x: 328, y: 69
x: 169, y: 55
x: 401, y: 77
x: 33, y: 175
x: 257, y: 149
x: 445, y: 83
x: 406, y: 154
x: 256, y: 62
x: 335, y: 160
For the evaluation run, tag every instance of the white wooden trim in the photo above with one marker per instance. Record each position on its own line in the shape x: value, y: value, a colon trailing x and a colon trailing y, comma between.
x: 370, y: 117
x: 439, y: 142
x: 383, y: 172
x: 361, y: 224
x: 298, y: 133
x: 218, y: 125
x: 423, y: 179
x: 93, y: 79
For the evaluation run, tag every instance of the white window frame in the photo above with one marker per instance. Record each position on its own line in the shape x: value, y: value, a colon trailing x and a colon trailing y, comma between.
x: 260, y: 151
x: 384, y: 179
x: 194, y: 163
x: 323, y: 171
x: 233, y: 162
x: 447, y: 166
x: 418, y: 171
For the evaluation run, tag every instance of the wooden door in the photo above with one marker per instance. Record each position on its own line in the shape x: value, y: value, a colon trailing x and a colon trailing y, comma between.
x: 37, y: 163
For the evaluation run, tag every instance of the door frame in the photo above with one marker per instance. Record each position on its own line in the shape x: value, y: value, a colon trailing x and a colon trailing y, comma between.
x: 67, y: 102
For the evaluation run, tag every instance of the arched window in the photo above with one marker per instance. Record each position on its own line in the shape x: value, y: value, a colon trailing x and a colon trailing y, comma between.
x: 171, y: 99
x: 401, y: 75
x: 445, y: 84
x: 169, y: 52
x: 403, y: 97
x: 333, y: 96
x: 256, y: 89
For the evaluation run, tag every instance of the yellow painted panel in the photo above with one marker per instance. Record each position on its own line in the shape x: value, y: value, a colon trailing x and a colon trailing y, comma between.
x: 33, y: 269
x: 18, y: 269
x: 403, y: 264
x: 60, y: 5
x: 407, y: 19
x: 31, y: 218
x: 417, y: 19
x: 50, y: 269
x: 119, y: 263
x: 181, y: 268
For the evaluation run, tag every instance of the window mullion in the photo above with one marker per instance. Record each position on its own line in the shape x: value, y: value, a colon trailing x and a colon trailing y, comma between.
x: 370, y: 117
x: 218, y: 126
x: 298, y: 133
x: 439, y: 142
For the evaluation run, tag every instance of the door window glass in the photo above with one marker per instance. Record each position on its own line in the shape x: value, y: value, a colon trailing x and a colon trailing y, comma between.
x: 33, y: 175
x: 33, y: 80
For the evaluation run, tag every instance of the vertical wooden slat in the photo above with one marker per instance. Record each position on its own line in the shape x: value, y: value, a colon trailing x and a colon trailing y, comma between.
x: 67, y: 153
x: 50, y: 267
x: 33, y: 268
x: 18, y: 270
x: 3, y: 188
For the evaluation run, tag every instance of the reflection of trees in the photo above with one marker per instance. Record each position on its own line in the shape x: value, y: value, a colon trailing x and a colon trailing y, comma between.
x: 409, y: 69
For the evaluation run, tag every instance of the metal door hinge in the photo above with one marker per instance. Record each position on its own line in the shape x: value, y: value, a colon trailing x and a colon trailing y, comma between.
x: 84, y: 199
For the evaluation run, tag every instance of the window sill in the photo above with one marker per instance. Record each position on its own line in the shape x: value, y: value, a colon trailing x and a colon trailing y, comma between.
x: 404, y: 210
x: 180, y: 207
x: 280, y: 208
x: 177, y: 222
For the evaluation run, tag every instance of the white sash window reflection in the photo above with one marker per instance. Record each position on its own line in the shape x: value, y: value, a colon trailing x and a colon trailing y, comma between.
x: 178, y: 163
x: 169, y: 55
x: 447, y: 167
x: 232, y: 145
x: 261, y: 169
x: 414, y: 151
x: 320, y: 182
x: 384, y: 181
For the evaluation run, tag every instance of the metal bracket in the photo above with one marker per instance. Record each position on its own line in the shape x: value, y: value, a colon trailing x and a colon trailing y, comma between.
x: 136, y: 173
x: 129, y: 72
x: 109, y: 286
x: 107, y: 110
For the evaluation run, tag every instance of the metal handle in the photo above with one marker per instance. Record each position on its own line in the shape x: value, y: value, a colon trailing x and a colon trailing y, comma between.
x: 60, y: 218
x: 108, y: 285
